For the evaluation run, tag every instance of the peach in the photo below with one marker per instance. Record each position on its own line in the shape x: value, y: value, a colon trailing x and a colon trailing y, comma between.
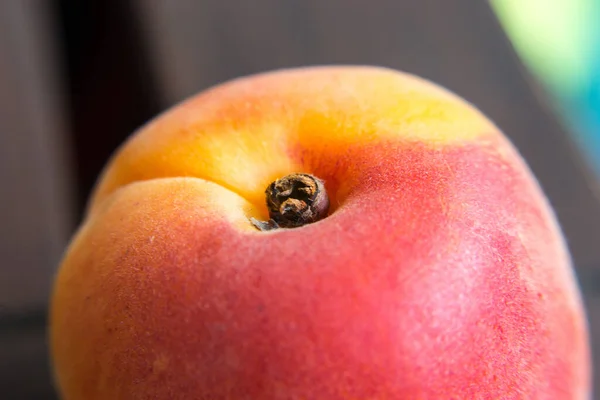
x: 438, y: 271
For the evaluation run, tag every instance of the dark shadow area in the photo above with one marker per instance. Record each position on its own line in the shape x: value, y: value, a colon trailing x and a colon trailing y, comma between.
x: 110, y: 88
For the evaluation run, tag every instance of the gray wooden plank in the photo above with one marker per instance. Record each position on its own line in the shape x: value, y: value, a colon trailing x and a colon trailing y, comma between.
x: 25, y: 372
x: 458, y: 44
x: 35, y: 195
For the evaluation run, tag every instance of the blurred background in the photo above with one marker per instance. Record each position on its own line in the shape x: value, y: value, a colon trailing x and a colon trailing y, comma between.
x: 76, y: 78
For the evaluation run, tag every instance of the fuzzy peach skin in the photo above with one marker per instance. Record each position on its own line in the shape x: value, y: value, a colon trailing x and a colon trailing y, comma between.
x: 440, y: 272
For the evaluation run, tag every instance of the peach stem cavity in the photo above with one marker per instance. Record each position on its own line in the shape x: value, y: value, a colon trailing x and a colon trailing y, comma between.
x: 294, y: 201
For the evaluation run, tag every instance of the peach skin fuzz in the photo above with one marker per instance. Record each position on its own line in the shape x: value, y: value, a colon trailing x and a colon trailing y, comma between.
x: 323, y: 233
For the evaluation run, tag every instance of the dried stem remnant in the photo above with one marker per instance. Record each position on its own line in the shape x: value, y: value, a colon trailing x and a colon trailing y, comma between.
x: 294, y: 200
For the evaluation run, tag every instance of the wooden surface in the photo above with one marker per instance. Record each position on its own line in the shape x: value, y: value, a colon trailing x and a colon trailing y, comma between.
x: 190, y: 45
x: 35, y: 195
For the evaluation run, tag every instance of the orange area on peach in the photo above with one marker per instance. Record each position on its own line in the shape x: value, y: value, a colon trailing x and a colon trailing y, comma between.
x: 93, y: 312
x: 244, y: 134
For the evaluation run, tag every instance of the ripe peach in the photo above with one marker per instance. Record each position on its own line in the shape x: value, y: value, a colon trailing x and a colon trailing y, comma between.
x: 439, y: 272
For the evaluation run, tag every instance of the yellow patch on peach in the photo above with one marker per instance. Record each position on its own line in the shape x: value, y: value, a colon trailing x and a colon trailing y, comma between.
x: 246, y: 133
